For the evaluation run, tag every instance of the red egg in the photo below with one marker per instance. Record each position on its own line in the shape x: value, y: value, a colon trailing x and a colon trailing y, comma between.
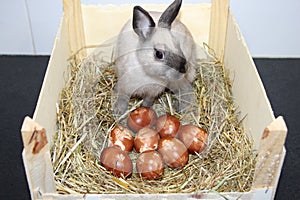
x: 150, y: 165
x: 167, y: 125
x: 194, y: 138
x: 121, y: 137
x: 146, y: 139
x: 140, y: 118
x: 173, y: 151
x: 116, y: 161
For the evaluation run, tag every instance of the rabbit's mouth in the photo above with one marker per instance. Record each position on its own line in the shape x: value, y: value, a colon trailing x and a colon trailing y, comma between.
x: 175, y: 75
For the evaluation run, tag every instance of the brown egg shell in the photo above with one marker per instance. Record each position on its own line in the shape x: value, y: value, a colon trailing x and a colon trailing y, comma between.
x: 194, y: 138
x: 116, y: 161
x: 122, y: 137
x: 140, y: 118
x: 150, y: 165
x: 174, y: 152
x: 146, y: 139
x: 167, y: 125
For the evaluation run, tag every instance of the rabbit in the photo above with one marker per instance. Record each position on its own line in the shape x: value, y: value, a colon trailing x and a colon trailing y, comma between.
x: 154, y: 52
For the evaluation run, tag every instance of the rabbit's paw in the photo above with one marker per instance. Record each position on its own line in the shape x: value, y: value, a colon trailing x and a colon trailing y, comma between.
x: 120, y: 106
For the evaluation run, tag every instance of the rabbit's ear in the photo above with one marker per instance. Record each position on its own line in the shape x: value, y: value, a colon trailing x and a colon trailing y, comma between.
x: 142, y: 22
x: 169, y: 15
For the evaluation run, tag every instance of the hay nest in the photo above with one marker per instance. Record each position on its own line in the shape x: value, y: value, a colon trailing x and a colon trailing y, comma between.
x: 84, y: 120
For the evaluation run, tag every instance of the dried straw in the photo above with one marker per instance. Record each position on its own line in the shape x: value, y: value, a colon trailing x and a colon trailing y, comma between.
x: 84, y: 120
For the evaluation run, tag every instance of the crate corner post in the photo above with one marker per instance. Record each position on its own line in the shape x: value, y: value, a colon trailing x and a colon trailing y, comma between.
x: 37, y: 159
x: 218, y: 27
x: 270, y: 158
x: 75, y: 28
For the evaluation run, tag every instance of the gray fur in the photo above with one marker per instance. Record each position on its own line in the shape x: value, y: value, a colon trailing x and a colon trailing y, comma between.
x: 169, y: 15
x: 141, y: 72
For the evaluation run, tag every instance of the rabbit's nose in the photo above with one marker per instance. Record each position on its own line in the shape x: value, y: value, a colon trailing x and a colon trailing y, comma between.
x: 183, y: 66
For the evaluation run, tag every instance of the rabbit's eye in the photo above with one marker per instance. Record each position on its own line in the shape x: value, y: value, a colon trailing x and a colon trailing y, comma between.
x: 159, y: 54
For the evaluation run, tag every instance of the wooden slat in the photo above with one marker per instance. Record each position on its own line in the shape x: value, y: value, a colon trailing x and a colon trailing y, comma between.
x: 36, y: 158
x: 218, y: 27
x: 53, y: 83
x: 247, y: 88
x: 75, y: 28
x: 270, y: 154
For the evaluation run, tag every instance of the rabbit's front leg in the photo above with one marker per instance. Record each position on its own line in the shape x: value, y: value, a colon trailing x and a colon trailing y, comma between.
x: 121, y: 104
x: 185, y: 97
x: 148, y: 101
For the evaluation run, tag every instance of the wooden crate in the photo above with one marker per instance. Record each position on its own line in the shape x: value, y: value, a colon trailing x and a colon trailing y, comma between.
x: 87, y: 25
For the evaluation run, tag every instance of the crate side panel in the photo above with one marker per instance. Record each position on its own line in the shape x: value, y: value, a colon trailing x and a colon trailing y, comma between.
x: 45, y: 111
x: 99, y: 30
x: 248, y: 90
x: 171, y: 196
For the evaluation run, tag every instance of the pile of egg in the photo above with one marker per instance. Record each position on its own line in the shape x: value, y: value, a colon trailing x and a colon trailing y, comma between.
x: 159, y: 141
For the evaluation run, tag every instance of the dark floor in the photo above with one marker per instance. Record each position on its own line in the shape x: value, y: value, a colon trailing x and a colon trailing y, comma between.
x: 281, y: 78
x: 21, y: 78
